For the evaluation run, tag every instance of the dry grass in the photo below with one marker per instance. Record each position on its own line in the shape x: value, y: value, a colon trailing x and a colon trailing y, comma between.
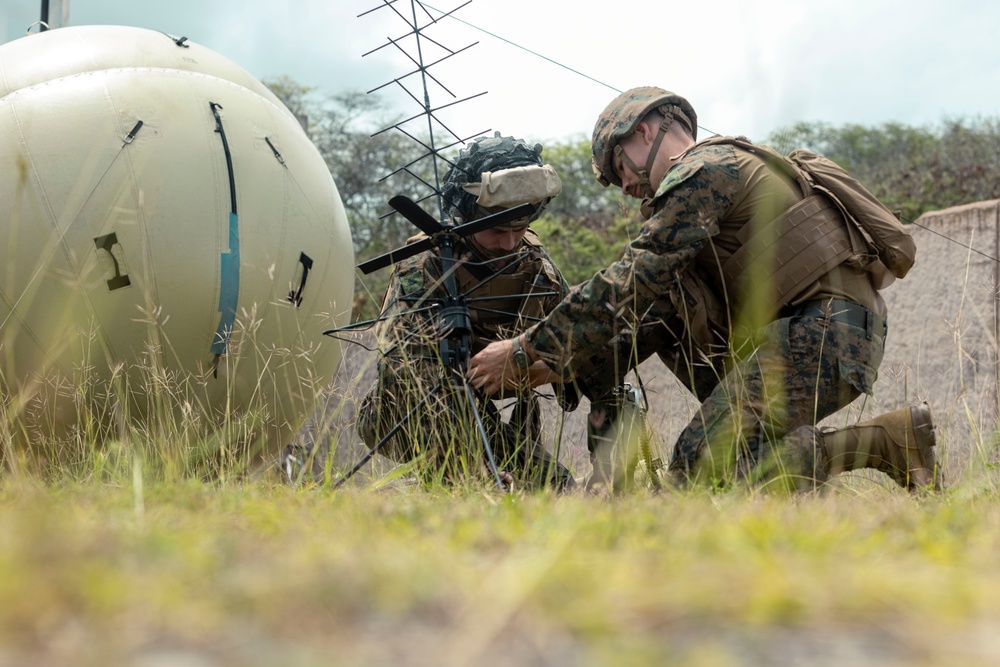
x: 187, y: 573
x: 129, y: 553
x: 165, y: 543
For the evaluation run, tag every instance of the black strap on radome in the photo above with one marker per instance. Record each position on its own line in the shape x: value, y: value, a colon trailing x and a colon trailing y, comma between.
x: 295, y: 295
x: 225, y: 148
x: 131, y: 135
x: 274, y: 150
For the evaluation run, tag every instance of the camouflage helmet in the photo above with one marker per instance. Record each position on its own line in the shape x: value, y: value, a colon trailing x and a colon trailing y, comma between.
x: 620, y: 118
x: 485, y: 154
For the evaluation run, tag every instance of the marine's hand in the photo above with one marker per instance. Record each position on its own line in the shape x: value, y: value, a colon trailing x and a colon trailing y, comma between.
x: 493, y: 368
x: 539, y: 374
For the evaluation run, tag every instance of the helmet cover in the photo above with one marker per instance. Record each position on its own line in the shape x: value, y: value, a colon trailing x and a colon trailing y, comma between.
x: 485, y: 154
x: 620, y: 117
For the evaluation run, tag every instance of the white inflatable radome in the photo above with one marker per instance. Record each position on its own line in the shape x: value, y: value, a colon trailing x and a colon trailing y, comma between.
x: 163, y: 219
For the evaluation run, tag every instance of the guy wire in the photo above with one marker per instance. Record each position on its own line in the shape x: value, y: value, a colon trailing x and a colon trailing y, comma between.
x: 956, y: 242
x: 536, y: 54
x: 617, y: 90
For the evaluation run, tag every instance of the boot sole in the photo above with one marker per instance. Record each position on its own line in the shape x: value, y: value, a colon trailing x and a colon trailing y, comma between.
x: 923, y: 428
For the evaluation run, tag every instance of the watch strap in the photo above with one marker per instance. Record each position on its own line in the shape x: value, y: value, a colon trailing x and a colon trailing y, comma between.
x: 521, y: 358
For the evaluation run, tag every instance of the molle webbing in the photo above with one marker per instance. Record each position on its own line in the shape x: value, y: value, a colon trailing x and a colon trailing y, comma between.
x: 795, y: 249
x: 508, y: 300
x: 789, y: 253
x: 882, y: 244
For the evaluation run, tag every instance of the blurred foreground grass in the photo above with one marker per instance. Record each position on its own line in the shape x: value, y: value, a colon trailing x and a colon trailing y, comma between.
x: 191, y: 574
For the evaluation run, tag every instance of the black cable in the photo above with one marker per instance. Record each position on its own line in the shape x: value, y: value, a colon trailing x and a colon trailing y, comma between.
x: 956, y: 242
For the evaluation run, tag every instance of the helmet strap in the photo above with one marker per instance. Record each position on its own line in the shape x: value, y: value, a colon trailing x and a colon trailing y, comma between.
x: 643, y: 174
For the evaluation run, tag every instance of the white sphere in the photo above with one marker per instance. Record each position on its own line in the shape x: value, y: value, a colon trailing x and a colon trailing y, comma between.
x: 126, y: 264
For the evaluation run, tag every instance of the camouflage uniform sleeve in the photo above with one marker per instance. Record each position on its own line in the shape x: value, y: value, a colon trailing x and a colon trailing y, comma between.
x: 407, y: 364
x: 392, y: 306
x: 694, y: 196
x: 555, y: 277
x: 403, y: 334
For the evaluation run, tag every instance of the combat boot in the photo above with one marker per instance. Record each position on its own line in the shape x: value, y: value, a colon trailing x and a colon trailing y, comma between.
x: 900, y: 444
x: 616, y: 429
x: 544, y: 469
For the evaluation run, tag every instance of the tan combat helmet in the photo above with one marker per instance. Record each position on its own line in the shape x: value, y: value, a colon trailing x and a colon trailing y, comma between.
x: 496, y: 173
x: 618, y: 121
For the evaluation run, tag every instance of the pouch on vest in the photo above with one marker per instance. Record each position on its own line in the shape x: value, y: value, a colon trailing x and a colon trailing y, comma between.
x: 889, y: 242
x: 797, y: 248
x: 705, y: 317
x: 882, y: 230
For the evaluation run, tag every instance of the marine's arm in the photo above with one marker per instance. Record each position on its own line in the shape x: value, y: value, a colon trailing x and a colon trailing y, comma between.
x: 408, y: 329
x: 686, y: 216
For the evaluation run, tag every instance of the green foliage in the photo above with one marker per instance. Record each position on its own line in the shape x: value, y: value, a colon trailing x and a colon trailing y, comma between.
x: 913, y: 169
x: 580, y: 249
x: 587, y: 226
x: 296, y: 97
x: 583, y: 198
x: 342, y: 128
x: 116, y: 552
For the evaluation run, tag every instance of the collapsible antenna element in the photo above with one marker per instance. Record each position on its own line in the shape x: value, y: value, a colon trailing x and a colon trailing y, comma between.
x: 418, y: 46
x: 424, y: 52
x: 451, y: 308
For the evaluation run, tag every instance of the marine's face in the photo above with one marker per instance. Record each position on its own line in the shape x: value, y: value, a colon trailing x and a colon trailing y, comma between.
x: 498, y: 241
x: 637, y: 151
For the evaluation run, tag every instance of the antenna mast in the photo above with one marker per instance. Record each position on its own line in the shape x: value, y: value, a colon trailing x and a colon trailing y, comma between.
x: 417, y: 39
x: 452, y: 308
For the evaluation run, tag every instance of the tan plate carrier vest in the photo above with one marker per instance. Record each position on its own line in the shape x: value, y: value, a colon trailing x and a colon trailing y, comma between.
x: 796, y: 248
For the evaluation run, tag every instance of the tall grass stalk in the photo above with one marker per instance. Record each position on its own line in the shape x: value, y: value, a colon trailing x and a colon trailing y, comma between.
x: 158, y: 541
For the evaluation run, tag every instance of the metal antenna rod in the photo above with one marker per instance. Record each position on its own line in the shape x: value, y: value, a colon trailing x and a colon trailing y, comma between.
x: 441, y: 235
x: 418, y: 21
x: 427, y: 108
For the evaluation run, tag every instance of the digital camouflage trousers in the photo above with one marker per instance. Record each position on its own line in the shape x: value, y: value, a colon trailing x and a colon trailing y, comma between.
x: 760, y: 402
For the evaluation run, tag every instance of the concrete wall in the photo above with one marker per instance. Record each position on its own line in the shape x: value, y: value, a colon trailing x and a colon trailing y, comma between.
x: 943, y: 326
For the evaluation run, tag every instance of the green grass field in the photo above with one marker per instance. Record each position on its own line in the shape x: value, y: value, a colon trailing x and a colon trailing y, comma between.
x: 122, y: 571
x: 114, y: 550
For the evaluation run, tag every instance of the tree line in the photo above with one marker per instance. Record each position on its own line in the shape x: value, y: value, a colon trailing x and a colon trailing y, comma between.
x: 911, y: 169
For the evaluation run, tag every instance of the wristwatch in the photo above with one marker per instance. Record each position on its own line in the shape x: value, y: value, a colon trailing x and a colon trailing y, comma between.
x: 521, y: 359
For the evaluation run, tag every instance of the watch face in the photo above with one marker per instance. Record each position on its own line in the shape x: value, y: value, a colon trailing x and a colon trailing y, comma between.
x: 521, y: 358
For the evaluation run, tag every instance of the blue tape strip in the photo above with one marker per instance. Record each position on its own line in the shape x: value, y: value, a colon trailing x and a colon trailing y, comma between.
x: 229, y: 288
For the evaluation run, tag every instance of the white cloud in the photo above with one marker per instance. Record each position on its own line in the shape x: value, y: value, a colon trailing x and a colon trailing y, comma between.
x: 749, y: 67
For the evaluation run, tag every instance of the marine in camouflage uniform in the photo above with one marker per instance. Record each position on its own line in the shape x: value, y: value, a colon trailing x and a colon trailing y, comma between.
x: 714, y: 284
x: 508, y: 287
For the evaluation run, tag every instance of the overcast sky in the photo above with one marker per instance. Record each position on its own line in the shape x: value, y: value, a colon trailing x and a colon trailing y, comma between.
x: 748, y: 67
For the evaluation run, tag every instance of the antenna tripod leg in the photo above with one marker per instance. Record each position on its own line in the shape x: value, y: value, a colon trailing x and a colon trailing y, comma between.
x: 388, y: 436
x: 481, y: 428
x: 482, y: 434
